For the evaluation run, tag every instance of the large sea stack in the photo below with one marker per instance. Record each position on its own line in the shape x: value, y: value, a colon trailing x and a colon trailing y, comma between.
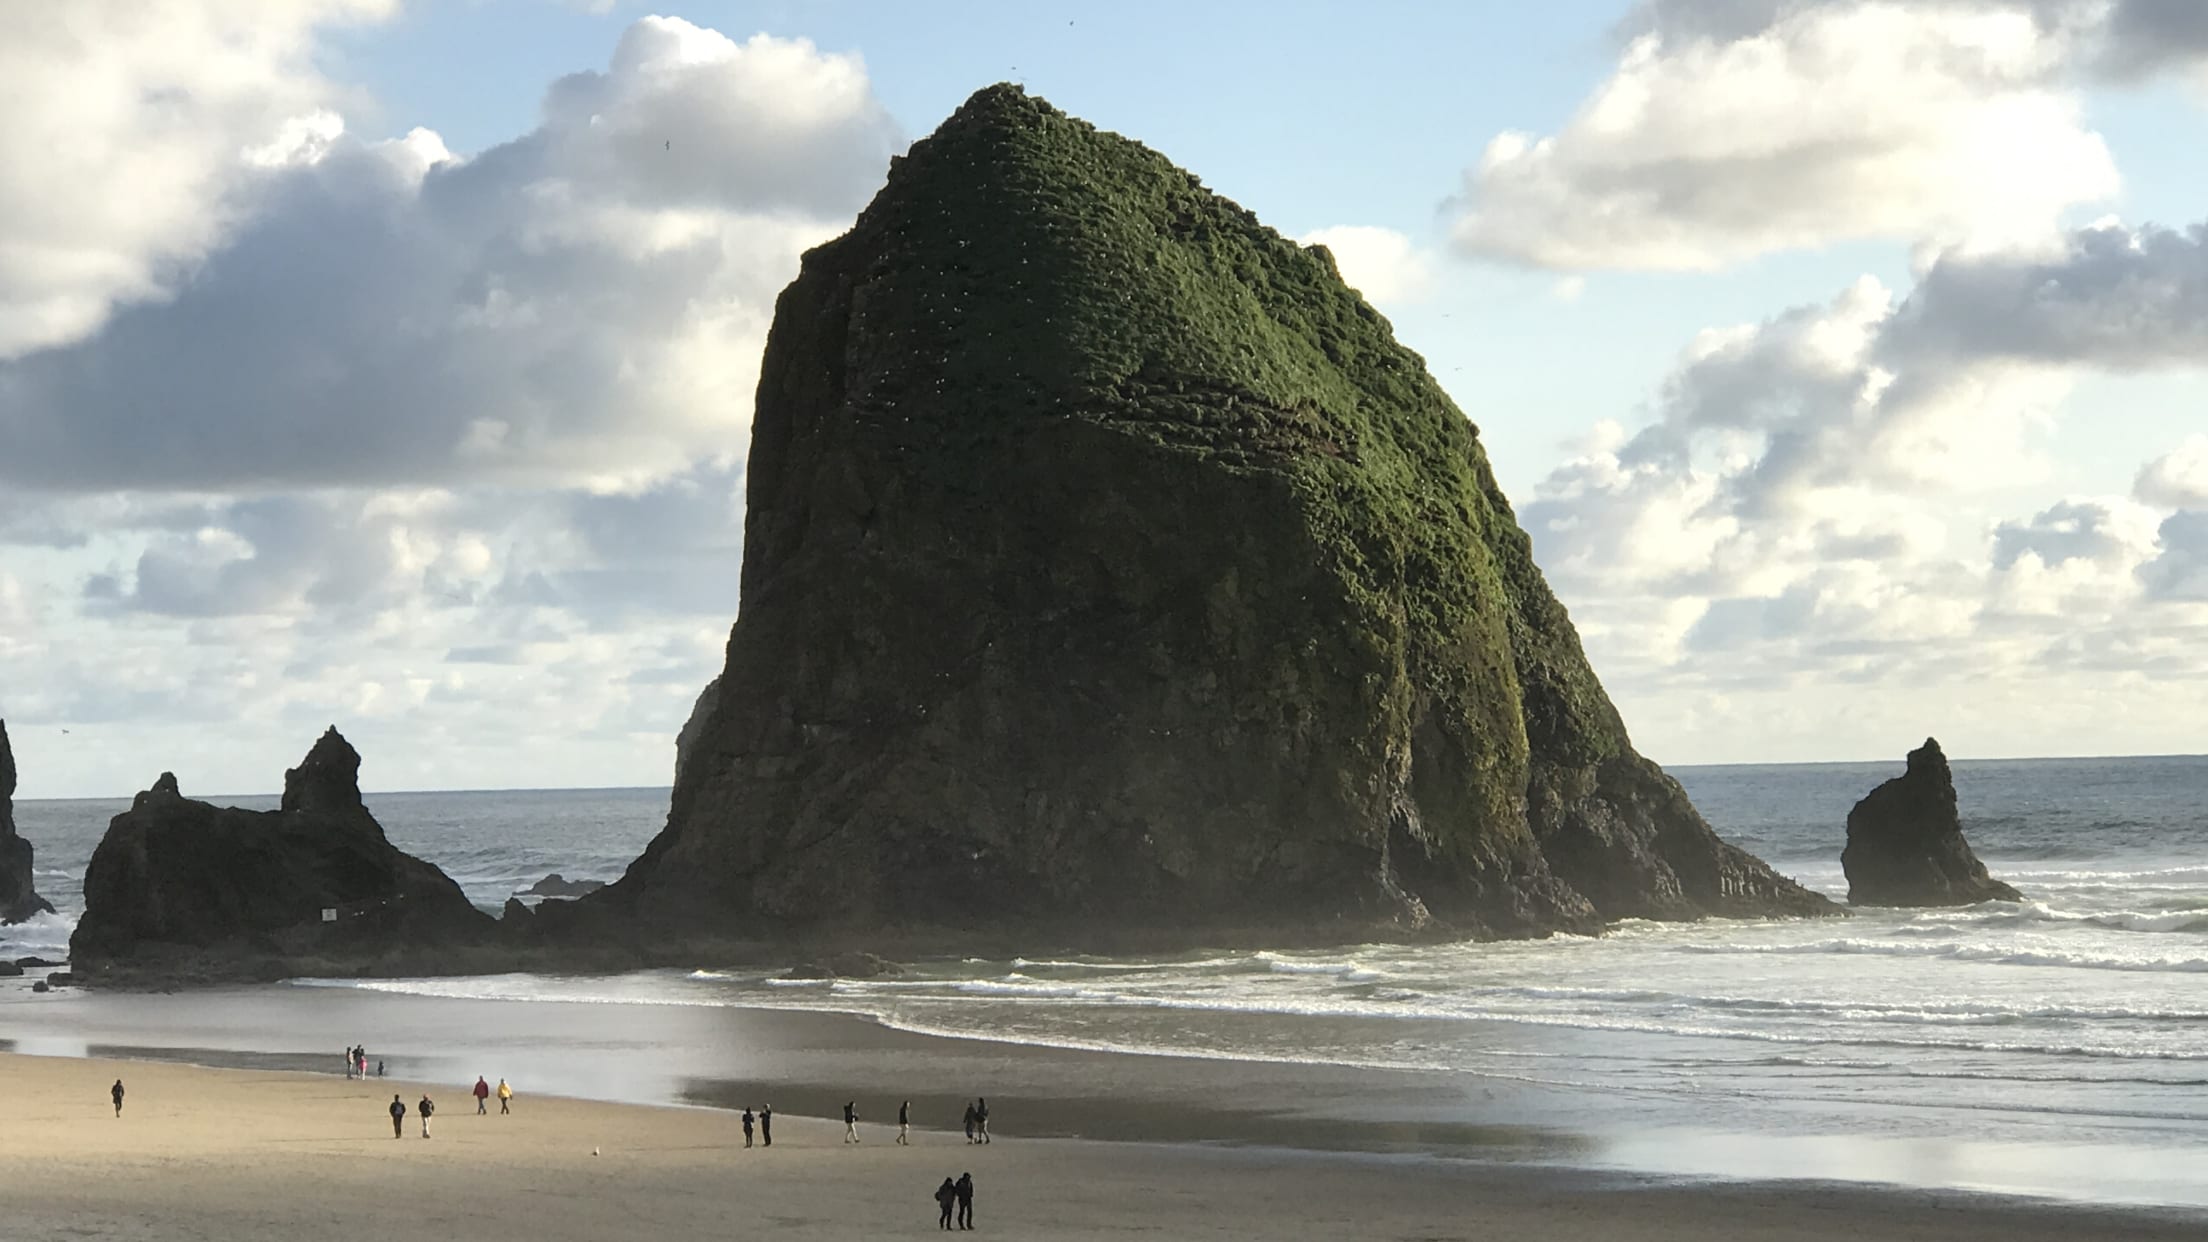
x: 178, y: 884
x: 19, y: 897
x: 1108, y: 567
x: 1905, y: 842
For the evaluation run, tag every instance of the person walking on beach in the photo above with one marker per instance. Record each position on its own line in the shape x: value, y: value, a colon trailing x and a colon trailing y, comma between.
x: 350, y: 1061
x: 945, y: 1196
x: 904, y: 1124
x: 965, y: 1190
x: 747, y: 1125
x: 969, y: 1121
x: 426, y: 1108
x: 482, y: 1096
x: 766, y: 1125
x: 117, y: 1092
x: 981, y: 1119
x: 850, y: 1121
x: 505, y: 1098
x: 398, y: 1116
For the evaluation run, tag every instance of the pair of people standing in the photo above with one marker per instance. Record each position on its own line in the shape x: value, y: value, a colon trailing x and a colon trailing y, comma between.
x: 766, y: 1126
x: 482, y: 1093
x: 398, y: 1115
x: 959, y: 1193
x: 977, y: 1121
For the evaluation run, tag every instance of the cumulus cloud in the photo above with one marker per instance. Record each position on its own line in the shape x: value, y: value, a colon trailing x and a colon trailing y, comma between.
x: 1381, y: 263
x: 122, y: 160
x: 1732, y: 130
x: 585, y: 304
x: 446, y: 447
x: 2177, y: 479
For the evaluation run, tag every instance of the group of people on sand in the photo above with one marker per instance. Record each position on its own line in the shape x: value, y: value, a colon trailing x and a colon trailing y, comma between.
x: 977, y: 1121
x: 426, y: 1109
x: 356, y: 1062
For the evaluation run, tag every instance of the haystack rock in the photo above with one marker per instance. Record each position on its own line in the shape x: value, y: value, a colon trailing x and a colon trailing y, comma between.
x: 1109, y: 567
x: 179, y: 882
x: 1905, y: 842
x: 19, y: 897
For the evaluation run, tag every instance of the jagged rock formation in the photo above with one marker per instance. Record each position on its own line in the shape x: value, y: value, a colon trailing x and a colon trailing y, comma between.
x: 1108, y: 565
x: 694, y: 728
x: 1905, y: 842
x: 19, y: 897
x: 557, y: 885
x: 179, y: 882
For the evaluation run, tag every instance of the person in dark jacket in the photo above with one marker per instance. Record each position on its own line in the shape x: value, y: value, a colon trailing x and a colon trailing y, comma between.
x: 965, y: 1190
x: 747, y: 1127
x: 117, y: 1092
x: 426, y: 1109
x: 981, y: 1119
x: 946, y: 1195
x: 850, y: 1121
x: 766, y: 1125
x: 904, y: 1124
x: 969, y: 1121
x: 398, y: 1117
x: 482, y: 1097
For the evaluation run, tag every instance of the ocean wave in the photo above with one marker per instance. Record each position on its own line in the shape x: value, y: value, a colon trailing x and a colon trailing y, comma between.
x: 1990, y: 954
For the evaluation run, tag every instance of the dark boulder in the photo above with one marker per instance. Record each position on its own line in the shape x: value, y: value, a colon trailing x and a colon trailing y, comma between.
x: 61, y: 978
x: 315, y: 882
x: 1905, y: 842
x: 516, y: 911
x: 557, y: 885
x: 19, y: 897
x: 11, y: 970
x: 1110, y: 570
x: 39, y: 962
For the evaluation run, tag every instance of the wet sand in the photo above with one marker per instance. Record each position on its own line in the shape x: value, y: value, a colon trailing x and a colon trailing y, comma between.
x: 254, y: 1154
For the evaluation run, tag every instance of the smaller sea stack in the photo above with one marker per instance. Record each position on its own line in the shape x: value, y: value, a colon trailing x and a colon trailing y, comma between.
x: 19, y: 898
x: 1905, y: 842
x: 180, y: 885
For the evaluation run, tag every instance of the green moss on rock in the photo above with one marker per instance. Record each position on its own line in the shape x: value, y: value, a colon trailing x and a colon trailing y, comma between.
x: 1107, y: 561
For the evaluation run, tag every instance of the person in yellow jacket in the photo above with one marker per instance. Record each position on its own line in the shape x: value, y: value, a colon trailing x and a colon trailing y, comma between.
x: 505, y: 1096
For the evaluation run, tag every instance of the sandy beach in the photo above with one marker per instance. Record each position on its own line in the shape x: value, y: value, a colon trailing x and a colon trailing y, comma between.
x: 252, y: 1154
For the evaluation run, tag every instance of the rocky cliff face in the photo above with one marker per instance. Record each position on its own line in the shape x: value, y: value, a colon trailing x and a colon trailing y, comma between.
x: 177, y: 882
x: 1905, y: 842
x: 1108, y: 564
x: 19, y: 897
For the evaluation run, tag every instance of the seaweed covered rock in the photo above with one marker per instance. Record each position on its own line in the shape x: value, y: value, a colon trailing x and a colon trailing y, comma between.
x: 180, y: 883
x: 19, y: 897
x: 1905, y: 842
x: 1108, y: 566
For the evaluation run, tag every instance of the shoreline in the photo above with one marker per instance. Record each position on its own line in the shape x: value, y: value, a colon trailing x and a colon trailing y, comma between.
x: 806, y: 1062
x: 259, y: 1154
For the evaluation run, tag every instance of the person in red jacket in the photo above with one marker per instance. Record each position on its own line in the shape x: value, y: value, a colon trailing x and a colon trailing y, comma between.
x: 482, y: 1096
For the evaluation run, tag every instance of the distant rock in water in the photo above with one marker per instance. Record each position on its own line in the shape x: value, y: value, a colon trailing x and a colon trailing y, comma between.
x: 177, y: 882
x: 1110, y: 570
x: 557, y: 885
x: 1905, y: 842
x: 19, y: 897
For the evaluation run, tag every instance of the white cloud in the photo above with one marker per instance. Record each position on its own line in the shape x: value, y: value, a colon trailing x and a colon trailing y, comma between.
x: 585, y: 304
x: 1381, y: 263
x: 2177, y: 479
x: 124, y: 151
x: 1763, y: 127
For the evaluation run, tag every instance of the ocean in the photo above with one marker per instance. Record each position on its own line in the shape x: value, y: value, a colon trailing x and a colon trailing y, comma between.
x: 2054, y: 1046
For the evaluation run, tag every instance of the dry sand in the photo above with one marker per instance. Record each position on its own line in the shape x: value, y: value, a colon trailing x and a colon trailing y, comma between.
x: 249, y: 1155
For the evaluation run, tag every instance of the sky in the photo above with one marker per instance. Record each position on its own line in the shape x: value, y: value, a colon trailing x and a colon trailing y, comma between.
x: 389, y: 365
